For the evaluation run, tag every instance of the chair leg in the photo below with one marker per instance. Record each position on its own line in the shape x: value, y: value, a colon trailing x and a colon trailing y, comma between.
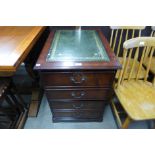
x: 126, y: 123
x: 154, y: 81
x: 118, y: 120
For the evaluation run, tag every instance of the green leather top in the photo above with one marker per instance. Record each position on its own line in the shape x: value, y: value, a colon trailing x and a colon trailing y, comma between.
x: 77, y: 45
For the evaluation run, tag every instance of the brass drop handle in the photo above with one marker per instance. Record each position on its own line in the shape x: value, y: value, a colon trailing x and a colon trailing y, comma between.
x: 74, y: 79
x: 78, y: 95
x: 78, y: 113
x: 78, y: 107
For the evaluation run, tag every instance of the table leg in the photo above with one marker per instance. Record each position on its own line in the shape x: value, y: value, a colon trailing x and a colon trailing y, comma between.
x: 37, y: 94
x: 37, y: 91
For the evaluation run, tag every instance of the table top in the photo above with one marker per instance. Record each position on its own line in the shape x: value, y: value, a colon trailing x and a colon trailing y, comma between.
x: 68, y: 49
x: 77, y: 45
x: 15, y: 44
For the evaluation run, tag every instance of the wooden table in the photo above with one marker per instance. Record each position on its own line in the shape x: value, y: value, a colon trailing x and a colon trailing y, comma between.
x: 77, y: 71
x: 16, y: 43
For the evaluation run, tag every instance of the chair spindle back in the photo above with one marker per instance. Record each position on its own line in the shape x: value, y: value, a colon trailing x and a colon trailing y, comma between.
x: 139, y: 48
x: 119, y: 34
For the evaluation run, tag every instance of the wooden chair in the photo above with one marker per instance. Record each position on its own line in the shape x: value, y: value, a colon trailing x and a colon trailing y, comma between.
x: 119, y: 34
x: 12, y: 111
x: 136, y: 96
x: 5, y: 118
x: 152, y: 66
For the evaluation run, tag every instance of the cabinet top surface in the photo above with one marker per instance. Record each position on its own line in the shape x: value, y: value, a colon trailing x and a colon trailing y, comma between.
x: 85, y: 49
x: 77, y: 45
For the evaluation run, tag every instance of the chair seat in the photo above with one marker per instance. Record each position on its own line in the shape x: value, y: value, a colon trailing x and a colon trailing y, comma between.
x: 137, y: 98
x: 152, y: 66
x: 142, y: 72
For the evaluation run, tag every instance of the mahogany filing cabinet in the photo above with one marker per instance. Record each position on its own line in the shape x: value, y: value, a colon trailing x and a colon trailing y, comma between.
x: 77, y: 69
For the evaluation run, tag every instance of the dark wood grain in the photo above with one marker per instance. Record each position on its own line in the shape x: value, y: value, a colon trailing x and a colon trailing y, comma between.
x: 73, y: 105
x: 78, y: 115
x: 76, y: 94
x: 83, y: 79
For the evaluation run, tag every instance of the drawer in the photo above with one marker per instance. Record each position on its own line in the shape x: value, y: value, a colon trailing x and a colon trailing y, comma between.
x: 90, y: 79
x: 84, y: 114
x: 79, y: 94
x: 73, y: 105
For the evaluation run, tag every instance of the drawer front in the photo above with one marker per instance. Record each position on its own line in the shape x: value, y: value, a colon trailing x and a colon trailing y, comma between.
x: 73, y: 105
x: 78, y: 79
x: 78, y: 114
x: 78, y: 94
